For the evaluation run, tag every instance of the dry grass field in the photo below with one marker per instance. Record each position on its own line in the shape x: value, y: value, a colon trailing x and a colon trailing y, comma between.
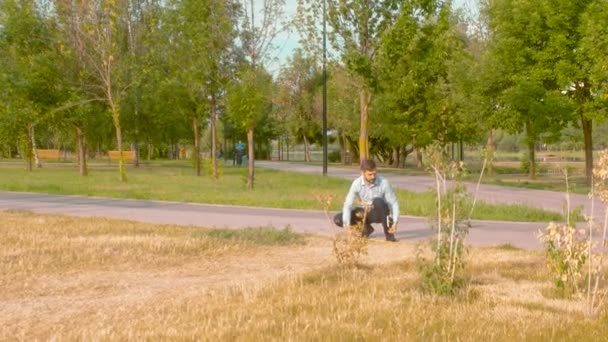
x: 64, y: 279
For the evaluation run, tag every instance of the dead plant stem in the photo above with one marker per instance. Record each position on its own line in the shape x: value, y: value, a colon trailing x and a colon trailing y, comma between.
x: 437, y: 182
x: 450, y: 258
x: 483, y: 167
x: 590, y: 244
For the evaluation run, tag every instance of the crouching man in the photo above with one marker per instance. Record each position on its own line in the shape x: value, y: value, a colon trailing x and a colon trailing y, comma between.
x: 374, y: 193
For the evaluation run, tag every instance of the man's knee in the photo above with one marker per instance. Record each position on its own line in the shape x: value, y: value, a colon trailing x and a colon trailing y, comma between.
x: 379, y: 211
x: 338, y: 220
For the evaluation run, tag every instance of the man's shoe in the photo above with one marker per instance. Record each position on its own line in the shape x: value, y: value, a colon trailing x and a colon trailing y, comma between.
x: 391, y: 237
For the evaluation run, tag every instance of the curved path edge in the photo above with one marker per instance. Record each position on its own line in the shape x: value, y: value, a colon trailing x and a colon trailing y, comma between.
x: 482, y: 233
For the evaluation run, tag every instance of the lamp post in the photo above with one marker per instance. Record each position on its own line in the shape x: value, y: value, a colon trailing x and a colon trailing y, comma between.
x: 324, y: 92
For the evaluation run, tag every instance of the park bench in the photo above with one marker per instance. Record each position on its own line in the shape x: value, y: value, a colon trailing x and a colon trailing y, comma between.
x: 547, y: 157
x: 115, y: 155
x: 48, y: 154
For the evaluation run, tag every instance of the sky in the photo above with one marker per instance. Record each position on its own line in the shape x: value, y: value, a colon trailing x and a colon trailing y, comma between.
x: 286, y: 42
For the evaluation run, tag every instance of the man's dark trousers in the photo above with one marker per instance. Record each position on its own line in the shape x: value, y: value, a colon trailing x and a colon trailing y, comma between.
x: 378, y: 213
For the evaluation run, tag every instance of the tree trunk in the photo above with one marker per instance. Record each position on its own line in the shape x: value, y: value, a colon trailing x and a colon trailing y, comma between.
x: 82, y: 152
x: 150, y: 151
x: 213, y: 127
x: 490, y: 152
x: 364, y: 101
x: 342, y: 142
x: 306, y: 149
x: 587, y: 126
x: 418, y: 158
x: 405, y: 154
x: 396, y: 156
x: 26, y: 151
x: 197, y: 147
x: 116, y: 120
x: 251, y: 157
x: 34, y: 149
x: 121, y: 161
x: 531, y: 152
x: 135, y: 149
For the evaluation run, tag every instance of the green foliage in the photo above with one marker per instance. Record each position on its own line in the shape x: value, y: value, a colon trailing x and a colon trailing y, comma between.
x: 449, y: 223
x: 249, y: 97
x: 28, y: 68
x: 566, y: 249
x: 423, y: 68
x: 300, y: 89
x: 434, y: 279
x: 209, y: 167
x: 334, y: 156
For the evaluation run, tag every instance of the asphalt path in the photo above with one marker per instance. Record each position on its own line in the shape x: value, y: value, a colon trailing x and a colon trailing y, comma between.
x: 482, y: 233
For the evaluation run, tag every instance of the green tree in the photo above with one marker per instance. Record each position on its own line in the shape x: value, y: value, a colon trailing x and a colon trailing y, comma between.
x: 99, y: 32
x: 28, y: 55
x: 573, y: 74
x: 249, y: 102
x: 201, y: 34
x: 520, y: 47
x: 356, y: 28
x: 257, y: 36
x: 595, y: 43
x: 421, y: 61
x: 300, y: 82
x: 344, y: 109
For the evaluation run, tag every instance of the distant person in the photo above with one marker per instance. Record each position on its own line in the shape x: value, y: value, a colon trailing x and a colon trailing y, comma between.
x: 239, y: 152
x: 375, y: 193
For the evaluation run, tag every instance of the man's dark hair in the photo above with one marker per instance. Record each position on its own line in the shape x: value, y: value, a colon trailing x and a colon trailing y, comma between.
x: 368, y: 165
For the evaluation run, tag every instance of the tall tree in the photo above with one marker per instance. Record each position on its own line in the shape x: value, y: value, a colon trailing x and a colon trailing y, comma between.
x: 531, y: 99
x: 249, y: 101
x: 300, y: 82
x: 420, y: 62
x: 344, y: 109
x: 99, y: 32
x: 573, y: 70
x: 260, y: 26
x: 356, y: 29
x: 200, y: 35
x: 595, y: 43
x: 28, y: 56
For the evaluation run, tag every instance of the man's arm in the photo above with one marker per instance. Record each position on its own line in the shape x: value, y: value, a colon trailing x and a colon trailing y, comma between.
x: 393, y: 202
x: 348, y: 203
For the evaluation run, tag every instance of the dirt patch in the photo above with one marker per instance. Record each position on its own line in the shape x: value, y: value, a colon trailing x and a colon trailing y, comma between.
x: 70, y: 300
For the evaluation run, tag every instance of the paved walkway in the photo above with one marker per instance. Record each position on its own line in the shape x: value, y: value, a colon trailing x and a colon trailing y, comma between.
x: 482, y: 233
x: 542, y: 199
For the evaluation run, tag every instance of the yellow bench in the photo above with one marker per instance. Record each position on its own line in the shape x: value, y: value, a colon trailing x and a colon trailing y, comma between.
x: 548, y: 157
x: 115, y: 155
x: 48, y: 154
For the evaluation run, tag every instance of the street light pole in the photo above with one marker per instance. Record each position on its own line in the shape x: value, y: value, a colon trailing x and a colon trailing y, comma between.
x: 324, y: 91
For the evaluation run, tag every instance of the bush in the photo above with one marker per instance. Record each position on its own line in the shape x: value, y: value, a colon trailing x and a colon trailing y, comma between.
x: 334, y: 156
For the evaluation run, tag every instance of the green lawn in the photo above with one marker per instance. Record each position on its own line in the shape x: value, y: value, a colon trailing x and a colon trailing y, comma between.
x: 175, y: 181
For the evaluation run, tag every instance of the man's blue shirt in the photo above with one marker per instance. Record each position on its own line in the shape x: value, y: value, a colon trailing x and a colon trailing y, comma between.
x: 366, y: 193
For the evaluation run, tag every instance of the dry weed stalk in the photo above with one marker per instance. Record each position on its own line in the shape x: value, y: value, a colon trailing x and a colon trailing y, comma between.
x: 348, y: 244
x: 596, y: 298
x: 569, y: 248
x: 487, y: 160
x: 450, y: 221
x: 600, y: 174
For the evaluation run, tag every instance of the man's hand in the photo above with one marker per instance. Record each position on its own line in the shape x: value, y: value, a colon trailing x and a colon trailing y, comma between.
x: 393, y: 229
